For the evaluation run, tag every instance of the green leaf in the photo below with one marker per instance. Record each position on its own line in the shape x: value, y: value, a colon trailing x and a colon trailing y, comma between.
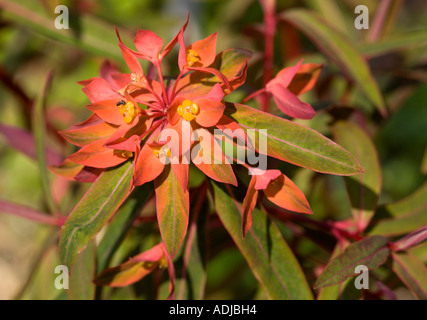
x: 91, y: 34
x: 403, y: 216
x: 339, y: 49
x: 363, y: 189
x: 172, y: 203
x: 403, y: 41
x: 120, y: 225
x: 371, y: 252
x: 81, y: 286
x: 94, y: 210
x: 334, y: 292
x: 230, y: 62
x: 39, y: 128
x: 269, y: 257
x: 330, y: 9
x: 295, y: 143
x: 195, y: 254
x: 412, y: 272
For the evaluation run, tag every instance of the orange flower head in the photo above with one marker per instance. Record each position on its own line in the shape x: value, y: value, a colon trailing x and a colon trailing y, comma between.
x: 192, y: 57
x: 188, y: 110
x: 159, y: 151
x: 128, y: 110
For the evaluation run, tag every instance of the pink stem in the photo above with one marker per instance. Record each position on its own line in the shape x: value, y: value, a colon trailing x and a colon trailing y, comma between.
x: 379, y: 20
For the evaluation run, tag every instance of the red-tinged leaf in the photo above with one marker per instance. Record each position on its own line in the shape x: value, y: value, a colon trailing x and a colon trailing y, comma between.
x: 81, y: 286
x: 371, y: 252
x: 264, y: 177
x: 148, y: 167
x: 231, y: 63
x: 305, y: 79
x: 133, y: 270
x: 294, y: 143
x: 93, y: 211
x: 172, y: 203
x: 334, y: 292
x: 23, y: 141
x: 181, y: 171
x: 96, y: 155
x: 110, y: 73
x: 264, y: 249
x: 248, y: 206
x: 108, y: 111
x: 214, y: 72
x: 210, y: 112
x: 67, y: 169
x: 285, y: 194
x: 216, y: 93
x: 123, y: 133
x: 207, y: 155
x: 99, y: 90
x: 231, y: 127
x: 29, y: 213
x: 363, y: 189
x: 285, y: 76
x: 148, y: 44
x: 412, y: 272
x: 173, y: 42
x: 403, y: 216
x: 290, y: 104
x: 88, y: 131
x: 410, y: 240
x: 130, y: 58
x: 206, y: 50
x: 88, y: 174
x: 339, y: 49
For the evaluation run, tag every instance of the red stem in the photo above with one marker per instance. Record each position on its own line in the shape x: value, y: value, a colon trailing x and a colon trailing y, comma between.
x: 269, y: 8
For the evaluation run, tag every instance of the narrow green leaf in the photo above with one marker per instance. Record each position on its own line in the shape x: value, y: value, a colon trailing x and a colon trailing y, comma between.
x: 371, y: 252
x: 295, y: 143
x: 334, y: 292
x: 363, y: 189
x: 339, y: 49
x: 120, y: 225
x: 412, y: 272
x: 195, y: 259
x: 81, y: 286
x: 403, y: 216
x: 404, y: 41
x: 330, y: 9
x: 94, y: 210
x: 172, y: 203
x: 269, y: 257
x: 39, y: 128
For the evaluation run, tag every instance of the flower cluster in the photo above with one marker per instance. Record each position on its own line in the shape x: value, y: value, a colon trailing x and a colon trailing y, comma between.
x: 131, y: 111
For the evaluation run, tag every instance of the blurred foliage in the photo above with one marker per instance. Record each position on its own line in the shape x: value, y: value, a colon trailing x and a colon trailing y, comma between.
x: 30, y: 46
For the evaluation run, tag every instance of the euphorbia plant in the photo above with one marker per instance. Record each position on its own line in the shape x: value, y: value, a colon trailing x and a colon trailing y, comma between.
x: 128, y: 139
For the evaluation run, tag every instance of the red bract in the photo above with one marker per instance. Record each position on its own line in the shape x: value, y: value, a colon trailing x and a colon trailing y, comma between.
x: 288, y: 84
